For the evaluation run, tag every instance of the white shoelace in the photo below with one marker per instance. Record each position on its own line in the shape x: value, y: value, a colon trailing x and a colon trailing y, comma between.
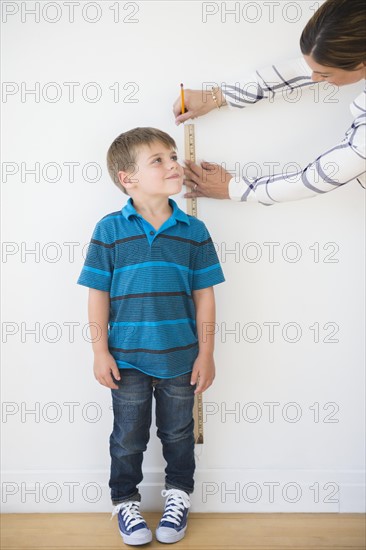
x: 130, y: 513
x: 175, y: 504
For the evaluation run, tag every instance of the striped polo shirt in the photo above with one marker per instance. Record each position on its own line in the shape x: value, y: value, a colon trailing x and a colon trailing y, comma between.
x: 150, y: 275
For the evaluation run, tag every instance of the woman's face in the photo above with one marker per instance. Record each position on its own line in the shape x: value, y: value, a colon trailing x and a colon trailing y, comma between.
x: 339, y: 77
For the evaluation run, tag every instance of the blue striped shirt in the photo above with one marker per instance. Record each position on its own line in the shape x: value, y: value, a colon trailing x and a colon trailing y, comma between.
x: 150, y: 275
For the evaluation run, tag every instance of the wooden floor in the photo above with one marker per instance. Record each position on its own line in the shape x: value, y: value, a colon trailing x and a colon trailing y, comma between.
x: 205, y: 532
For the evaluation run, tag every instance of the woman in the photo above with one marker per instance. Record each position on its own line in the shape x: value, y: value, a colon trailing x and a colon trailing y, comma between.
x: 333, y: 46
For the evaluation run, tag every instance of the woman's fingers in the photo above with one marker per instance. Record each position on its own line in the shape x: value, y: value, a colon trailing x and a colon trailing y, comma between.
x: 182, y: 118
x: 177, y: 110
x: 193, y: 194
x: 197, y: 103
x: 207, y: 180
x: 211, y: 166
x: 193, y: 173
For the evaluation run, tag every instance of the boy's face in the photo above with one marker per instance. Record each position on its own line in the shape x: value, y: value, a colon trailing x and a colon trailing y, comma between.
x: 157, y: 173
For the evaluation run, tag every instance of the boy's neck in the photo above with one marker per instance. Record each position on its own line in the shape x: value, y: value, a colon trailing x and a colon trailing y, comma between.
x: 155, y: 211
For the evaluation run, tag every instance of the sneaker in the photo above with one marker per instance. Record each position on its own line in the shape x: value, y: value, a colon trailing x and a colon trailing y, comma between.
x: 132, y: 525
x: 173, y: 524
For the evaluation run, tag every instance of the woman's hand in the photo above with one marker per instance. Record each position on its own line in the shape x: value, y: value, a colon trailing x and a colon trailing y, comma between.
x: 207, y: 180
x: 197, y: 103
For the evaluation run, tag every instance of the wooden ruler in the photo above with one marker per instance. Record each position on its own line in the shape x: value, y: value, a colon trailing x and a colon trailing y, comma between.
x: 190, y: 154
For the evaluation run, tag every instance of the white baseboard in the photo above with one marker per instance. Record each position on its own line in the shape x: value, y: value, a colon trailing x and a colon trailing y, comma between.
x: 224, y: 491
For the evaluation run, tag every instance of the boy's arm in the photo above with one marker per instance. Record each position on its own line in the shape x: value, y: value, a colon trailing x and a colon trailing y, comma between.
x: 104, y: 363
x: 203, y: 372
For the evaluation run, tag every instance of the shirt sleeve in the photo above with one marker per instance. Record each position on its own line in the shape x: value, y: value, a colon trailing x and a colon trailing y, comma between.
x: 206, y: 266
x: 99, y: 263
x: 282, y: 79
x: 344, y: 162
x: 339, y: 165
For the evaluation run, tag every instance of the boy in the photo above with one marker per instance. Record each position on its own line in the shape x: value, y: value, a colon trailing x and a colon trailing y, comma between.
x: 150, y: 269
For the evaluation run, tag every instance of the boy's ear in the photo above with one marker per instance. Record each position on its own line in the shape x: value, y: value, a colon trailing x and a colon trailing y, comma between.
x: 126, y: 179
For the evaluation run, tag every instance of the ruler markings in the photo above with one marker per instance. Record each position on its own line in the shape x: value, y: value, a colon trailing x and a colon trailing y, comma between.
x: 190, y: 154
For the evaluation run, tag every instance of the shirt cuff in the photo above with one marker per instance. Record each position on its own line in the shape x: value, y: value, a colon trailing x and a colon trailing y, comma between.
x: 230, y: 102
x: 236, y: 189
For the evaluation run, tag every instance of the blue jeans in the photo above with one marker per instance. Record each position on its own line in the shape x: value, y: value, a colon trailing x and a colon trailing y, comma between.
x: 131, y: 431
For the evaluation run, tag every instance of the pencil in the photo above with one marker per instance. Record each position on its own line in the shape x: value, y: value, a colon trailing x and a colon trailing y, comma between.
x: 182, y: 99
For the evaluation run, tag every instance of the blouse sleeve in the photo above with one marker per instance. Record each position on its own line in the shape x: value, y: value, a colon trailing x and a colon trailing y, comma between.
x: 268, y: 83
x: 344, y: 162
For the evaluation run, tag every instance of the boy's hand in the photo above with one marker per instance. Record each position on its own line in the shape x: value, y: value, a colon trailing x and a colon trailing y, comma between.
x: 203, y: 372
x: 104, y: 365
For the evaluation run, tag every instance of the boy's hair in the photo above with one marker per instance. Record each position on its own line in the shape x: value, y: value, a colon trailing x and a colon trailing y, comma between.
x: 122, y: 154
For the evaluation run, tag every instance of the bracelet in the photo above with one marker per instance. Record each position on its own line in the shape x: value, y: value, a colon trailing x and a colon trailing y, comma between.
x: 214, y: 97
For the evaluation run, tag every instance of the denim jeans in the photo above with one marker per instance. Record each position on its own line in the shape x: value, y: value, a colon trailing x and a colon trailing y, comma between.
x: 131, y: 431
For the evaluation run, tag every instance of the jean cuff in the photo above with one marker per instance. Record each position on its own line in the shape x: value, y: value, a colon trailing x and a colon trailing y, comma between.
x: 188, y: 491
x: 133, y: 498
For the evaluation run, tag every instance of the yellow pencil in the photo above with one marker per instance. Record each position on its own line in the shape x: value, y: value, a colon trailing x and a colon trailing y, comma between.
x: 182, y: 98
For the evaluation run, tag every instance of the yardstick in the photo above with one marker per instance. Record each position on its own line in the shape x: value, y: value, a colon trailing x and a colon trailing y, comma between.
x: 190, y: 154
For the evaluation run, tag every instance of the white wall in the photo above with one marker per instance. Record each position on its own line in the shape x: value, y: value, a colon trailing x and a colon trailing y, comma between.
x: 308, y: 455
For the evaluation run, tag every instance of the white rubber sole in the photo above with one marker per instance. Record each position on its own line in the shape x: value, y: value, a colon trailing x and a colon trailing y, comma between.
x: 169, y: 536
x: 132, y: 540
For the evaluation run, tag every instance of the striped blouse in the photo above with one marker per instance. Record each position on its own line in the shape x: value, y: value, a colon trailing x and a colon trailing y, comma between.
x: 320, y: 176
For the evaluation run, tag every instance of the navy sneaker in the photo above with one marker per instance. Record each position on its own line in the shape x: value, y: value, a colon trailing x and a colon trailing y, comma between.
x: 173, y: 524
x: 132, y: 525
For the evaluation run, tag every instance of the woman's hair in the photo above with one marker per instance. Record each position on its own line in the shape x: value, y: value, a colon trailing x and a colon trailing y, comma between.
x: 335, y: 36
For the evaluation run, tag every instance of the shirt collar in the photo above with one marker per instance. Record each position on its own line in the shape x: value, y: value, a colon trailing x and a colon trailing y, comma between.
x: 129, y: 210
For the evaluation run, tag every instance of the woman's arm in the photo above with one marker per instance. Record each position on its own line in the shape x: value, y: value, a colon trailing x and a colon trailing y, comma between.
x: 339, y: 165
x: 269, y: 82
x: 273, y: 81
